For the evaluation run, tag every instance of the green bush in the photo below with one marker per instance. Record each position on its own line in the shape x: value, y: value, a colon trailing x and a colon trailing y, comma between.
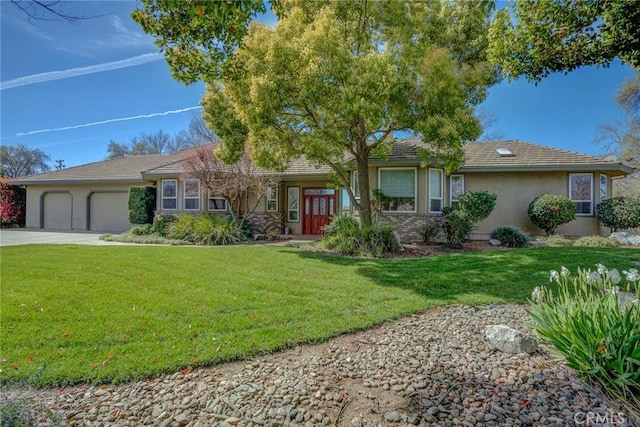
x: 457, y: 226
x: 597, y: 242
x: 548, y: 211
x: 619, y: 213
x: 429, y: 231
x: 208, y: 229
x: 345, y: 235
x: 510, y: 236
x: 477, y: 204
x: 141, y: 230
x: 162, y: 222
x: 557, y: 241
x: 142, y: 204
x: 587, y: 324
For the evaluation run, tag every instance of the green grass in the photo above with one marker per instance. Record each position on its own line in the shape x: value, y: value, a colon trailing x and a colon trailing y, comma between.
x: 99, y: 314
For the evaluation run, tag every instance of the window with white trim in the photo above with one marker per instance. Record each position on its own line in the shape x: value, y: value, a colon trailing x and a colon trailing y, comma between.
x: 191, y: 195
x: 293, y: 204
x: 436, y: 190
x: 216, y: 204
x: 604, y: 187
x: 581, y: 192
x: 169, y: 199
x: 272, y: 198
x: 399, y: 186
x: 355, y: 184
x: 456, y: 188
x: 345, y: 200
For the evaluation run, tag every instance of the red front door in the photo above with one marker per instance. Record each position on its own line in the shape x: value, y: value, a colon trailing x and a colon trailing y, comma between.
x: 319, y: 206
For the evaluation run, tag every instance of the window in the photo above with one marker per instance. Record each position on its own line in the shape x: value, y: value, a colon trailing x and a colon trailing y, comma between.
x: 345, y: 200
x: 293, y: 204
x: 604, y: 187
x: 581, y: 192
x: 355, y: 184
x: 436, y: 190
x: 456, y: 187
x: 191, y: 195
x: 272, y: 198
x: 215, y: 203
x: 399, y: 185
x: 169, y: 194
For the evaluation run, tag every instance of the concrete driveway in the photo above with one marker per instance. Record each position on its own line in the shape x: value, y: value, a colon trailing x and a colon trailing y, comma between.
x: 21, y: 236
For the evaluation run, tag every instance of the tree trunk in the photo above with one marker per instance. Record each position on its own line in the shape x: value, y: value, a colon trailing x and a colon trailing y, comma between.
x: 364, y: 207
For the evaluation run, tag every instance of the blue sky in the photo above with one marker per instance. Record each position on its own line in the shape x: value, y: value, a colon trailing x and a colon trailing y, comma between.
x: 117, y: 86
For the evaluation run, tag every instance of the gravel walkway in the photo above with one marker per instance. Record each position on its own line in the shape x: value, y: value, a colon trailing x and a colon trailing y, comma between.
x: 431, y: 369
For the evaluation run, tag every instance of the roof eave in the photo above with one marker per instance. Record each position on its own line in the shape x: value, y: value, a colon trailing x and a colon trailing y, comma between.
x: 619, y: 168
x: 25, y: 182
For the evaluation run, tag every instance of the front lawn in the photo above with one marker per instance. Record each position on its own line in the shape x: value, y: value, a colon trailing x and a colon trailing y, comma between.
x: 117, y: 313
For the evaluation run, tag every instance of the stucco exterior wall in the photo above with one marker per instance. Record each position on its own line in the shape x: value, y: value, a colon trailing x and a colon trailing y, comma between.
x: 78, y: 207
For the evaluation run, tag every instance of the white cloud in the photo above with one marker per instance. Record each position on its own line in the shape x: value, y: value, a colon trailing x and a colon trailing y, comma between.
x: 73, y: 72
x: 104, y: 122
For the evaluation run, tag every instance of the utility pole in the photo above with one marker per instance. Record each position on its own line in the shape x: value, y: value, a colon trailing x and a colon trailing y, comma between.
x: 60, y: 164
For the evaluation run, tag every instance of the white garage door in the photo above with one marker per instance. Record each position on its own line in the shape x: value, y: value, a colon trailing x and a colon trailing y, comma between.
x: 109, y: 212
x: 57, y: 211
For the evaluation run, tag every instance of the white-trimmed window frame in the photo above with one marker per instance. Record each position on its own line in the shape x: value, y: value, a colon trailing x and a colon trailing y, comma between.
x: 415, y: 187
x: 163, y: 197
x: 355, y: 185
x: 345, y: 200
x: 429, y: 195
x: 453, y: 176
x: 604, y: 179
x: 271, y: 198
x: 293, y: 192
x: 211, y: 197
x: 590, y: 201
x: 185, y: 197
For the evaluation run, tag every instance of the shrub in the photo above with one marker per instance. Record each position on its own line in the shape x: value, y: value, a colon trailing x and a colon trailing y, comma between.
x: 477, y: 204
x: 510, y: 236
x: 162, y: 222
x: 141, y: 230
x: 588, y: 325
x: 619, y: 213
x: 142, y: 203
x: 345, y: 235
x: 557, y: 241
x: 457, y: 226
x: 208, y: 229
x: 16, y: 413
x: 429, y: 231
x: 597, y: 242
x: 13, y: 205
x: 548, y: 211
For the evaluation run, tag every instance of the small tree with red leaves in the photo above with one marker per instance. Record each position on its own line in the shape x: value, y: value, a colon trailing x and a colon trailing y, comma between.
x: 13, y: 204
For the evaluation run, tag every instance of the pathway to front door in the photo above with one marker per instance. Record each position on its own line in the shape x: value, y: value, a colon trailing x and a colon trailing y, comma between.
x: 319, y: 206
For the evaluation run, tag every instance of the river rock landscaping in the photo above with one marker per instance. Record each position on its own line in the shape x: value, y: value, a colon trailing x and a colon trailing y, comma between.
x: 434, y: 368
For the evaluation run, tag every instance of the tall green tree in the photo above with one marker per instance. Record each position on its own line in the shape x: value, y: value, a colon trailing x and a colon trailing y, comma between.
x: 537, y: 37
x: 333, y: 81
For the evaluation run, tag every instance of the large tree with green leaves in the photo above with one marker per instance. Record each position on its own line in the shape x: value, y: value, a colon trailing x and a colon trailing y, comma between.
x: 334, y: 80
x: 537, y: 37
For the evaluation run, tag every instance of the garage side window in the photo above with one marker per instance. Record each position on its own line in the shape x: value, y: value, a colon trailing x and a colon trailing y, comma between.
x: 191, y: 194
x: 169, y: 194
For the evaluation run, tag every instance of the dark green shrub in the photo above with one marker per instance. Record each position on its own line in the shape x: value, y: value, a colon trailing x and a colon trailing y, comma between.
x: 587, y: 324
x: 429, y: 231
x: 510, y: 236
x: 596, y: 242
x: 142, y: 204
x: 619, y: 213
x: 162, y: 223
x: 345, y: 235
x: 477, y: 204
x: 457, y: 226
x: 548, y: 211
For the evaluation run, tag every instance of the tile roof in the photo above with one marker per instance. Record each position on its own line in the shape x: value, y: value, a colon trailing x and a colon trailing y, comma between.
x: 479, y: 157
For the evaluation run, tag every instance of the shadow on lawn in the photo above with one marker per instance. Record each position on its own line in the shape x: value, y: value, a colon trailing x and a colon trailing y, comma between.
x: 478, y: 277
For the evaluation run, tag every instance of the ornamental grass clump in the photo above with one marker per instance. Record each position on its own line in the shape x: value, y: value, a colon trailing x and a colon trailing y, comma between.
x: 346, y: 236
x: 595, y: 326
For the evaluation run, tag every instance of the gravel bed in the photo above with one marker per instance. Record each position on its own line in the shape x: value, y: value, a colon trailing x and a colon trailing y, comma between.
x: 430, y: 369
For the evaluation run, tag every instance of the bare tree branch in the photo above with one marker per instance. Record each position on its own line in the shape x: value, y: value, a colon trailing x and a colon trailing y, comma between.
x: 48, y: 11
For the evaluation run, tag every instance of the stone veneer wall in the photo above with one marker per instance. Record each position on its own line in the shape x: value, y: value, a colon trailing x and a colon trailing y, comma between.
x: 269, y: 223
x: 408, y: 224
